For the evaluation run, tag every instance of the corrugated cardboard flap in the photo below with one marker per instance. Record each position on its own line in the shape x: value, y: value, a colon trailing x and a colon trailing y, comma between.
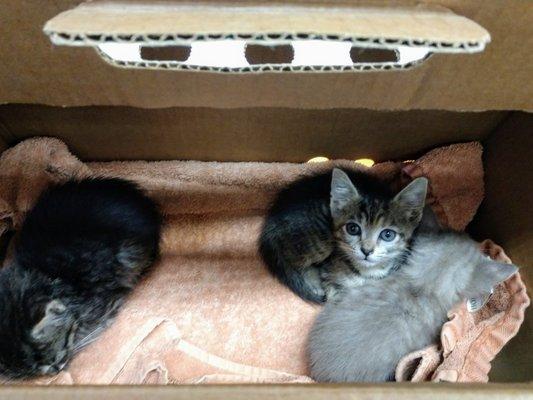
x: 171, y: 24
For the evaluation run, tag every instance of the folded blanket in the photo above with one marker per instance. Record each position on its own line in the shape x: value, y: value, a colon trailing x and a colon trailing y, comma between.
x: 210, y: 312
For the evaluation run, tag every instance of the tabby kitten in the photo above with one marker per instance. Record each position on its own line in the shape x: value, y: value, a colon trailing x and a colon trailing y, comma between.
x: 363, y: 336
x: 80, y: 251
x: 338, y: 229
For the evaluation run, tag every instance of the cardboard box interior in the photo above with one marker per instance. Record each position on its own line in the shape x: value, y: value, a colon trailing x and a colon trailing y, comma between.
x: 277, y: 134
x: 113, y: 114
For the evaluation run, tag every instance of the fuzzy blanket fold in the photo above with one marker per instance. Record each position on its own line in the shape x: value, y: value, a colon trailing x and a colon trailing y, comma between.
x: 209, y: 312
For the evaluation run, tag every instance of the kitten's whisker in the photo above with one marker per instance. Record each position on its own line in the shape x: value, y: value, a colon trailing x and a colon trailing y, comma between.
x: 91, y: 336
x: 88, y: 339
x: 85, y: 344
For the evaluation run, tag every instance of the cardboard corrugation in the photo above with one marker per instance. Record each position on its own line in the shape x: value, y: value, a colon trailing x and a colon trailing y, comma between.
x: 496, y: 79
x: 262, y: 68
x: 103, y: 22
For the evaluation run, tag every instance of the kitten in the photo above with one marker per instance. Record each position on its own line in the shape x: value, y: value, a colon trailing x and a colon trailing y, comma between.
x: 80, y: 251
x: 335, y: 230
x: 363, y: 337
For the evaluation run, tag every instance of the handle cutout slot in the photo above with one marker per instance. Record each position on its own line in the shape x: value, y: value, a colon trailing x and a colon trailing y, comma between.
x: 237, y: 55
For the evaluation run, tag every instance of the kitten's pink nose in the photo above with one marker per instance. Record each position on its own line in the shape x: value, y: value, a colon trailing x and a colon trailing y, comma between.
x: 366, y: 252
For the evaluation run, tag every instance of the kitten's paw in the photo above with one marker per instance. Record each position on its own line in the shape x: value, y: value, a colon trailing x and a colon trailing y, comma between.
x: 334, y: 293
x: 315, y: 293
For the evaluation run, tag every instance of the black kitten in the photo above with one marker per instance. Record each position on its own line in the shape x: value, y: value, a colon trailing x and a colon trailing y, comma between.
x: 335, y: 230
x: 80, y: 251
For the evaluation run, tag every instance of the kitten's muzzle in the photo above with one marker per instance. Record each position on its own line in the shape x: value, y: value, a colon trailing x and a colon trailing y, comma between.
x: 366, y: 252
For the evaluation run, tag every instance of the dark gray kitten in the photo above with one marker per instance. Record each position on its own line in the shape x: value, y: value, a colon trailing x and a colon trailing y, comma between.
x: 80, y: 251
x: 336, y: 230
x: 363, y: 336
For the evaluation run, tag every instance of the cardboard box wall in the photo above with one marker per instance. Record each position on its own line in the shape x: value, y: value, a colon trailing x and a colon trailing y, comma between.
x: 34, y: 71
x: 245, y: 134
x: 104, y: 113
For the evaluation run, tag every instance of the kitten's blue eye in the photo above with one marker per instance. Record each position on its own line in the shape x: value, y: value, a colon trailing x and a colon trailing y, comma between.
x: 353, y: 229
x: 387, y: 235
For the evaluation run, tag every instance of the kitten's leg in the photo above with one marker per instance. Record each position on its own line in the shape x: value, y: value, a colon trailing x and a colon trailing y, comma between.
x: 311, y: 275
x: 329, y: 273
x: 297, y: 263
x: 334, y: 292
x: 337, y: 278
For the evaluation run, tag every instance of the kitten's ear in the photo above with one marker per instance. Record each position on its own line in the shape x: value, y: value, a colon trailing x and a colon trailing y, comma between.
x: 429, y: 221
x: 343, y: 192
x: 45, y: 331
x: 489, y: 273
x: 410, y: 201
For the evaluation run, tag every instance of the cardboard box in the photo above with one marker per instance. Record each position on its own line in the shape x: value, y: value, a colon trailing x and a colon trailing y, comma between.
x: 249, y: 114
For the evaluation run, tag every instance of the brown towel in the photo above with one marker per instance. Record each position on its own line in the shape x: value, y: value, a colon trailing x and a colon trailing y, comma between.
x: 210, y: 312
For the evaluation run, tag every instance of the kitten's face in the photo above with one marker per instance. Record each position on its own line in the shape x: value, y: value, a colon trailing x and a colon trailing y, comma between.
x: 374, y: 232
x: 38, y: 344
x: 371, y: 236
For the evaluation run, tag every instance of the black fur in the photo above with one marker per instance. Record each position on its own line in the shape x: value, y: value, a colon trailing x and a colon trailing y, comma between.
x: 297, y: 236
x: 80, y: 251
